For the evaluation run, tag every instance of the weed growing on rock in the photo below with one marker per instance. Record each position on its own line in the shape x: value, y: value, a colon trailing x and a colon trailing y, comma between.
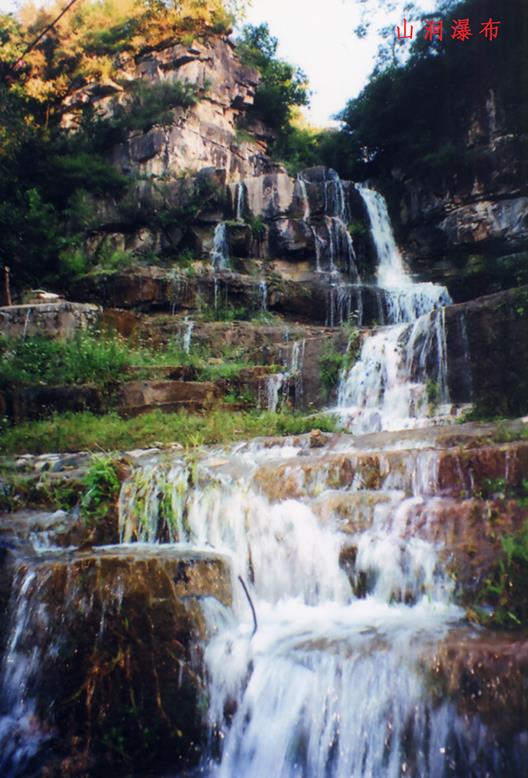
x: 102, y: 484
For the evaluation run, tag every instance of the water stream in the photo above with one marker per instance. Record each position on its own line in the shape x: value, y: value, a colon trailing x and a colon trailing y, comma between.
x: 348, y: 600
x: 402, y: 370
x: 220, y: 251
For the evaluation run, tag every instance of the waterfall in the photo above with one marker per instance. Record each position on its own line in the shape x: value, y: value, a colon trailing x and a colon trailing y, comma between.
x: 278, y: 383
x: 187, y: 335
x: 21, y: 731
x: 390, y: 385
x: 304, y: 198
x: 263, y: 295
x: 220, y: 251
x: 240, y: 201
x: 274, y: 386
x: 329, y: 685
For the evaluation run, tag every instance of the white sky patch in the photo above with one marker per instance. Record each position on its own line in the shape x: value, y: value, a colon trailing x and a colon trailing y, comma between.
x: 318, y: 35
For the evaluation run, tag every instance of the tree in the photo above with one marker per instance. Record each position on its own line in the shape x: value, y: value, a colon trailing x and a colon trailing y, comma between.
x: 283, y: 87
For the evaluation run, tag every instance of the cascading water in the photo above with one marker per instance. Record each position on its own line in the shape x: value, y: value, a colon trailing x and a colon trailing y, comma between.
x: 402, y: 367
x: 220, y: 251
x: 187, y: 335
x: 278, y: 383
x: 329, y: 685
x: 240, y: 201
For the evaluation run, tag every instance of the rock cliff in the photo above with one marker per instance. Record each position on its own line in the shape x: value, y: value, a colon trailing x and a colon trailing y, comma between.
x: 469, y: 228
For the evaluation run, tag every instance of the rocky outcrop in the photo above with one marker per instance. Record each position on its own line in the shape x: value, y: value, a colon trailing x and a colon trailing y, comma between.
x: 203, y: 135
x: 305, y: 296
x: 109, y: 647
x: 140, y: 396
x: 487, y: 346
x: 54, y: 320
x: 469, y: 228
x: 23, y: 403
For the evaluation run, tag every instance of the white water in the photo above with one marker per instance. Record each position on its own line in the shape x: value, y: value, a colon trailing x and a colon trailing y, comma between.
x: 329, y: 685
x: 220, y: 251
x: 187, y: 335
x: 240, y: 199
x: 279, y: 383
x: 263, y: 295
x: 21, y: 735
x: 402, y: 367
x: 304, y: 198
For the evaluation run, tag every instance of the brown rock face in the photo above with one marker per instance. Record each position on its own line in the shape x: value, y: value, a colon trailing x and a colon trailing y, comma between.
x: 140, y: 396
x: 204, y: 135
x: 118, y: 676
x: 485, y: 675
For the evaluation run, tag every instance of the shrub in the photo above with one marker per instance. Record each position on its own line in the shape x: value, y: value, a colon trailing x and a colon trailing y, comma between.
x: 151, y: 104
x: 41, y: 361
x: 506, y: 588
x: 85, y: 431
x: 102, y: 485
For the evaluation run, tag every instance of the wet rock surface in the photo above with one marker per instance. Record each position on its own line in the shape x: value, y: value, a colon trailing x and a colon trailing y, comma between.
x: 487, y: 343
x: 112, y: 655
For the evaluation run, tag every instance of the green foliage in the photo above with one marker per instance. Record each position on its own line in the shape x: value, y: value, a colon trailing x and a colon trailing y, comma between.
x: 73, y: 263
x: 225, y: 313
x: 506, y: 588
x: 86, y: 431
x: 330, y: 366
x: 433, y: 392
x: 416, y: 116
x: 40, y: 361
x: 333, y: 362
x: 244, y: 136
x: 151, y: 104
x: 115, y: 258
x: 358, y: 229
x: 282, y: 86
x: 258, y: 227
x: 101, y: 489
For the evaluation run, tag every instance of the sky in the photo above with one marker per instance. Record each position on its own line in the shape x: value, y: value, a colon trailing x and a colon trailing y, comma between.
x: 318, y: 35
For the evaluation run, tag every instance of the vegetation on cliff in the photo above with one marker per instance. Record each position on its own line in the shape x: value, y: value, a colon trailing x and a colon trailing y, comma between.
x: 50, y: 176
x: 416, y: 116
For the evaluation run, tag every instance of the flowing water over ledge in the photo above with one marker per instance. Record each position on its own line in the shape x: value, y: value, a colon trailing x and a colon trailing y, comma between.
x: 315, y: 579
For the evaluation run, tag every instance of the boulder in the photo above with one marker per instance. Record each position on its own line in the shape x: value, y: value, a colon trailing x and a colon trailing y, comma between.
x: 142, y: 396
x: 116, y: 674
x: 61, y: 320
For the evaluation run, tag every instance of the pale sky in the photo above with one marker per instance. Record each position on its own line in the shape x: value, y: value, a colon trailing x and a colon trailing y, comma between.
x: 319, y: 36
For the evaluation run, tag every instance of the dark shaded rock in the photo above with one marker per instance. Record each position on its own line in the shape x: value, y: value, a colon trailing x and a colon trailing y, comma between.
x: 40, y: 401
x: 487, y: 346
x: 119, y: 682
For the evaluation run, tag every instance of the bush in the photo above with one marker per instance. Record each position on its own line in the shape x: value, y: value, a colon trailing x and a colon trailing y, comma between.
x: 506, y: 588
x: 41, y: 361
x: 101, y: 489
x: 282, y: 86
x: 151, y: 104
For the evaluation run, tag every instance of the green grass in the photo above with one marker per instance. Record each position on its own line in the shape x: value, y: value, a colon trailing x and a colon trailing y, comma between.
x: 41, y: 361
x: 88, y: 432
x: 102, y: 359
